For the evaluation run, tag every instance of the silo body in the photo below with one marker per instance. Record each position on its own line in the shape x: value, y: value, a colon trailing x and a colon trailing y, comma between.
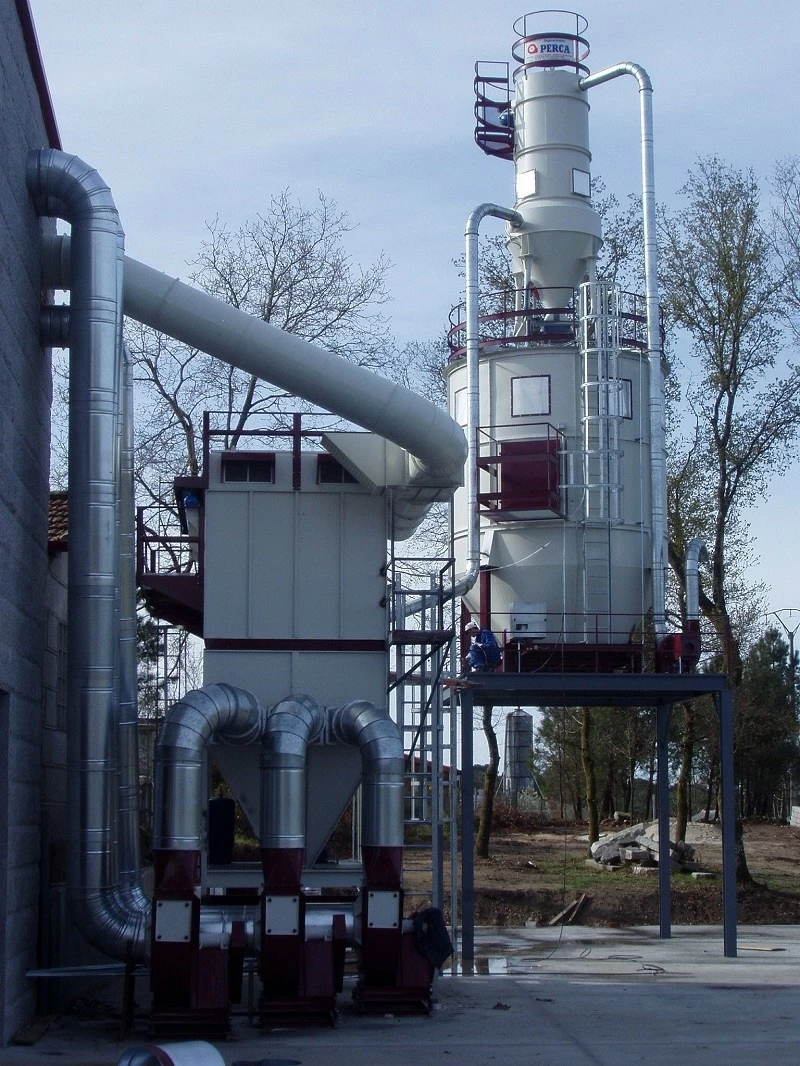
x: 563, y: 436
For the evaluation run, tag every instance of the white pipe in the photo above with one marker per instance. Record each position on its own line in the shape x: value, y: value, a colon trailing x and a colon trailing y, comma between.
x: 435, y: 442
x: 696, y: 553
x: 658, y: 477
x: 465, y: 581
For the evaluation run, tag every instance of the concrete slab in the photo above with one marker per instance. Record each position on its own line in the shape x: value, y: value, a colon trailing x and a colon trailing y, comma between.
x: 562, y: 997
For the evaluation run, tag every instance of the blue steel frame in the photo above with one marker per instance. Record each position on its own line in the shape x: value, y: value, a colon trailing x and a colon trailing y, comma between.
x: 606, y: 690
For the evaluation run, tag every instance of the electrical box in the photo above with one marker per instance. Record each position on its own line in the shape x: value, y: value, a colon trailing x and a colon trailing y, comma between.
x: 528, y: 620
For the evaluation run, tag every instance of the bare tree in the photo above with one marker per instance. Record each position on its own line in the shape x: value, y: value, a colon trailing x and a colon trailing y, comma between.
x: 289, y: 267
x: 724, y: 285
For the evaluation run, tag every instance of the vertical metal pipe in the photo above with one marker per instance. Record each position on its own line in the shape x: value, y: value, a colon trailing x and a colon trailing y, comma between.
x: 658, y: 478
x: 290, y: 727
x: 129, y: 847
x: 662, y: 785
x: 382, y: 769
x: 466, y: 706
x: 109, y: 913
x: 696, y: 553
x: 728, y: 816
x: 466, y: 580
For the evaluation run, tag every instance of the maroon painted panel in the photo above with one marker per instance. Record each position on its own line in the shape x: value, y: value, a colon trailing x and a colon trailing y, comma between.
x: 529, y: 475
x: 383, y: 867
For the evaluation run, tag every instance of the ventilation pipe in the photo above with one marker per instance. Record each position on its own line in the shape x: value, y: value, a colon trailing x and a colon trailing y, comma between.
x: 696, y: 553
x: 657, y: 457
x: 218, y: 713
x: 466, y: 580
x: 435, y: 442
x: 382, y: 768
x: 130, y: 861
x: 290, y: 727
x: 108, y: 908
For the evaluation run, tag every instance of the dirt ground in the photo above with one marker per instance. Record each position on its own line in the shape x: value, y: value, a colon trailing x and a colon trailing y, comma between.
x: 533, y: 874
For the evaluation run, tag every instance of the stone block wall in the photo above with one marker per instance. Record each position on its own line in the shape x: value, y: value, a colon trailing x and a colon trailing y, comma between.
x: 25, y: 398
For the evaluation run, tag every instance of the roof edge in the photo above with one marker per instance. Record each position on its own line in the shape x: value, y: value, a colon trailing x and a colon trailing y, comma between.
x: 37, y: 69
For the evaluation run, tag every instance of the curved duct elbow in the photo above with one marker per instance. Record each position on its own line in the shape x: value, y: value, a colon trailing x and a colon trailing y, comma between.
x: 216, y: 713
x: 382, y: 765
x: 290, y: 727
x: 106, y: 901
x: 696, y: 553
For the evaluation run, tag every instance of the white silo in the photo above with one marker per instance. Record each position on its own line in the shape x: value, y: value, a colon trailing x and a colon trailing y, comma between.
x: 517, y: 768
x: 562, y: 441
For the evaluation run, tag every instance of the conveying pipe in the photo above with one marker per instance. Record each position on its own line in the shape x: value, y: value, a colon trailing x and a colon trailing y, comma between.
x: 435, y: 443
x: 219, y: 713
x: 290, y: 727
x: 657, y: 458
x: 465, y: 581
x: 382, y: 769
x: 107, y: 907
x: 696, y: 553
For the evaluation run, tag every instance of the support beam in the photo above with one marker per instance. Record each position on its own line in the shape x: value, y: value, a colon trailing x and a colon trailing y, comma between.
x: 662, y: 792
x: 724, y: 703
x: 466, y: 706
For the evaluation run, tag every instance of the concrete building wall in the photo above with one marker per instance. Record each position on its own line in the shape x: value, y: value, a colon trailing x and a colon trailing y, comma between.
x: 25, y: 396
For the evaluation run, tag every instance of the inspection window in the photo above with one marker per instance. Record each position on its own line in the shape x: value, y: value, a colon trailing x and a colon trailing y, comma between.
x: 581, y: 182
x: 530, y: 396
x: 248, y: 466
x: 622, y: 401
x: 331, y: 472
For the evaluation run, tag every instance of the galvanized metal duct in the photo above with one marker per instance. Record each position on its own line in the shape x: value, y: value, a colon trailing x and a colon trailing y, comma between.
x: 696, y: 553
x: 108, y: 909
x: 465, y: 581
x: 382, y: 768
x: 130, y: 860
x: 218, y: 713
x: 435, y: 443
x: 290, y: 727
x: 658, y: 475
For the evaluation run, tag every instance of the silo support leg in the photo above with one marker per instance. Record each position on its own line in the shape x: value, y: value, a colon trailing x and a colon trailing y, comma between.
x: 664, y: 864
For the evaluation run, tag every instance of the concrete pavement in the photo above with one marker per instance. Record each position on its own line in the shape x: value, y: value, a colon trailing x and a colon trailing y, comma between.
x: 573, y: 998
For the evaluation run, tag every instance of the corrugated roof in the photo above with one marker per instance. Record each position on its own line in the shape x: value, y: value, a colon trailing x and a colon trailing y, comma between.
x: 57, y: 522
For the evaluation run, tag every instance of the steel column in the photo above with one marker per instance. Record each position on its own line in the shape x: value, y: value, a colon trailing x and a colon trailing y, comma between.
x: 728, y: 817
x: 662, y: 784
x: 465, y: 702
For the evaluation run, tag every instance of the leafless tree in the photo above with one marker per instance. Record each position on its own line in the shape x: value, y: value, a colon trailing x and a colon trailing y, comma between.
x: 288, y: 266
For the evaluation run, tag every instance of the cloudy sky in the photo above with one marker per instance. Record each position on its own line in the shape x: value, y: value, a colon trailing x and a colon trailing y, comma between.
x: 192, y: 109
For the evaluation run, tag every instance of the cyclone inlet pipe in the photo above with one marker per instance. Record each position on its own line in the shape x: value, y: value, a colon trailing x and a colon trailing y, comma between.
x: 298, y: 975
x: 106, y: 904
x: 190, y: 971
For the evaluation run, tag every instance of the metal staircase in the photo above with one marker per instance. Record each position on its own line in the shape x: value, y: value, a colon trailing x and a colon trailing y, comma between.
x: 421, y: 641
x: 492, y: 100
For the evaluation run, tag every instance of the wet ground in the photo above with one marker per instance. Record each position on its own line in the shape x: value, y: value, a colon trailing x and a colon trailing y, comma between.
x: 562, y: 997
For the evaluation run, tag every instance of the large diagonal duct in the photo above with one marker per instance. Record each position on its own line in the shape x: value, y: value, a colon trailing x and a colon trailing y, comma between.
x: 435, y: 443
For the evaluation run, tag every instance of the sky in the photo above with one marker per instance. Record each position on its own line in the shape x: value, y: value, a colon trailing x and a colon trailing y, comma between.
x: 193, y: 109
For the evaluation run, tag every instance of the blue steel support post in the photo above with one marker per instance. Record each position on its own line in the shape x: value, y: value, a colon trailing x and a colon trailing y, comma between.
x: 664, y: 864
x: 465, y: 702
x: 728, y: 816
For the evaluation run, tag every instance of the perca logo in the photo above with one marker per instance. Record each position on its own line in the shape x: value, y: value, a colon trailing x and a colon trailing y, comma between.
x: 531, y: 48
x: 557, y: 47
